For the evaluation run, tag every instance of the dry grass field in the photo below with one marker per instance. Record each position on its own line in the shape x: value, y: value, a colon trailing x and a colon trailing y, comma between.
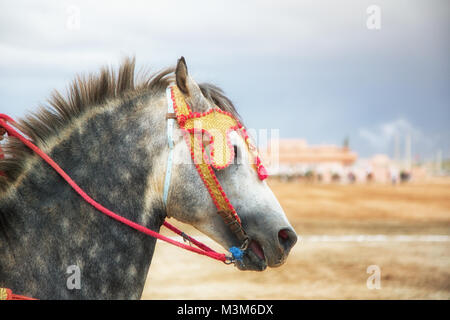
x: 335, y: 269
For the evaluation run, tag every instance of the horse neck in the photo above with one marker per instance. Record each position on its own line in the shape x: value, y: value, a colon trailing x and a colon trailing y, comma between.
x: 115, y: 156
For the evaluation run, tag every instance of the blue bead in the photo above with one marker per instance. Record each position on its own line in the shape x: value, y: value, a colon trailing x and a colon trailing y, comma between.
x: 237, y: 253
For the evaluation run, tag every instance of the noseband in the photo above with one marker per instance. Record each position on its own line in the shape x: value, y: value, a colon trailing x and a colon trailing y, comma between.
x: 215, y: 125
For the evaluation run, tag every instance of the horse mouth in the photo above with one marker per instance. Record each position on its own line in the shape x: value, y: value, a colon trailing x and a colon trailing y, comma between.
x: 254, y: 258
x: 257, y: 249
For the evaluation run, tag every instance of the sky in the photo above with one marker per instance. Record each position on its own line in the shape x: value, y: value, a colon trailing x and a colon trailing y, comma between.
x: 317, y: 70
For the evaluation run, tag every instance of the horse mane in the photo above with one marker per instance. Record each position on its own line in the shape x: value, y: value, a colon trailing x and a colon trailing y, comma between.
x: 86, y: 93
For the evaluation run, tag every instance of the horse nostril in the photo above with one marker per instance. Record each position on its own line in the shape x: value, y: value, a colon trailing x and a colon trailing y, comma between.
x: 287, y: 239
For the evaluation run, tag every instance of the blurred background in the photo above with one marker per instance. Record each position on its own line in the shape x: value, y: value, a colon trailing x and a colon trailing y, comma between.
x: 349, y: 102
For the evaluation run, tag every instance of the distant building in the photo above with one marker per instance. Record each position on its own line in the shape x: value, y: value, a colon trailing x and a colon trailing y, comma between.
x: 294, y: 157
x: 379, y: 168
x: 295, y: 151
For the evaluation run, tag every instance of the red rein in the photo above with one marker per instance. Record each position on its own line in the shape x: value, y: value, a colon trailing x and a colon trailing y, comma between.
x: 202, y: 248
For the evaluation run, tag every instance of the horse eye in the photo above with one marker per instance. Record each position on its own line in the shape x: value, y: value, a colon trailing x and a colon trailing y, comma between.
x: 235, y: 153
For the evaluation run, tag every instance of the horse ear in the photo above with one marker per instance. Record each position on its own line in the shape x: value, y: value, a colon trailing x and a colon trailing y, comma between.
x: 181, y: 75
x: 190, y: 88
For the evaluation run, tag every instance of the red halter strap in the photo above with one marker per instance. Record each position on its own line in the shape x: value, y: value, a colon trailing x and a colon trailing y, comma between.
x: 7, y: 294
x: 202, y: 248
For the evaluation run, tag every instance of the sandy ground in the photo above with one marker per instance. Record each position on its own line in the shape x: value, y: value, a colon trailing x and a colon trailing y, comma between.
x: 332, y: 269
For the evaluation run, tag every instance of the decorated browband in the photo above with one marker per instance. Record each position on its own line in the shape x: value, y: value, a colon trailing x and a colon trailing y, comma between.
x: 213, y: 126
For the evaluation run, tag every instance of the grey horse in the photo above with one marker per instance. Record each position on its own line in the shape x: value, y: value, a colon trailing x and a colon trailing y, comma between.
x: 109, y: 135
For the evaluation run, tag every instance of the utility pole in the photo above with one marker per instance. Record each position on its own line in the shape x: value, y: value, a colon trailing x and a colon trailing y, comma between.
x: 396, y: 149
x: 408, y: 152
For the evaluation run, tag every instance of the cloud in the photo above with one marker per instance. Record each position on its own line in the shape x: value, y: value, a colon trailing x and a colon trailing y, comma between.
x: 209, y: 30
x: 381, y: 136
x: 385, y: 135
x: 307, y: 58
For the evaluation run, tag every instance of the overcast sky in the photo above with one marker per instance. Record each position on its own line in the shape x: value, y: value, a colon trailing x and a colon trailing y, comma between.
x: 312, y: 69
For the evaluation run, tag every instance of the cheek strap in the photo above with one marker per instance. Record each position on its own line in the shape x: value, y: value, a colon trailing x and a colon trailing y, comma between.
x: 171, y: 116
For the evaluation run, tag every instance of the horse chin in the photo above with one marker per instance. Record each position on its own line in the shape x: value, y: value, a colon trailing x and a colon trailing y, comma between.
x: 254, y: 258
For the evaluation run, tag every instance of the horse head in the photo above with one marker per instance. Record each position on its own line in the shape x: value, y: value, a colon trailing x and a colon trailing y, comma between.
x: 235, y: 164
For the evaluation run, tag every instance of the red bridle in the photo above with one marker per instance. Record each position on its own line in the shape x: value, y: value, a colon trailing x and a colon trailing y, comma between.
x: 201, y: 248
